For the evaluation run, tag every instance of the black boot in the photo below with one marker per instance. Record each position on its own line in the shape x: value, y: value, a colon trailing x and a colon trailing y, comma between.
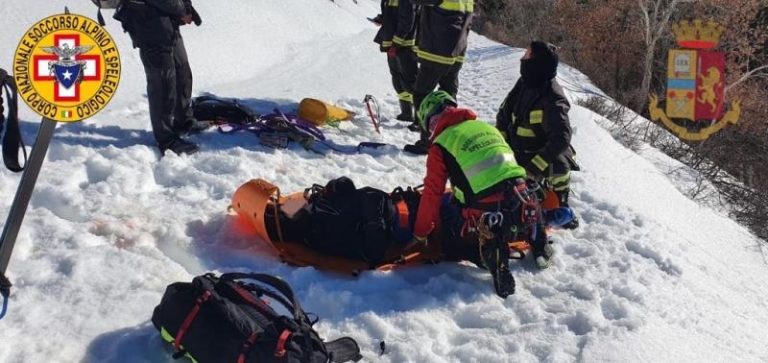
x: 573, y: 224
x: 544, y: 256
x: 406, y: 112
x: 179, y: 146
x: 421, y: 147
x: 414, y: 126
x: 496, y: 259
x: 542, y: 250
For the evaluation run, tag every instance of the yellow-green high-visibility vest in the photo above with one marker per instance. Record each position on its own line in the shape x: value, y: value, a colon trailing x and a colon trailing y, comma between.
x: 482, y: 154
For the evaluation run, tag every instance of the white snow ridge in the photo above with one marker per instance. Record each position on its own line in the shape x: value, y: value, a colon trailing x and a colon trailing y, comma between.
x: 650, y: 276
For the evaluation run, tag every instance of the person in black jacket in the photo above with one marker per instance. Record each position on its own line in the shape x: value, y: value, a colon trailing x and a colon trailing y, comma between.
x: 441, y: 45
x: 534, y: 120
x: 396, y: 38
x: 154, y: 28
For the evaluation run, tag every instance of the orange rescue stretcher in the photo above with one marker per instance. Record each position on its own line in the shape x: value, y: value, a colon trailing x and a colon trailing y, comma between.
x: 257, y: 201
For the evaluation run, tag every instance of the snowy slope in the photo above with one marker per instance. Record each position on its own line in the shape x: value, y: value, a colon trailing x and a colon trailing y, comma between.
x: 650, y: 276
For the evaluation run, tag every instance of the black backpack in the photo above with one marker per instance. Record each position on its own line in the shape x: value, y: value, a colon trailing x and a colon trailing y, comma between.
x: 227, y: 319
x: 348, y: 222
x: 221, y: 110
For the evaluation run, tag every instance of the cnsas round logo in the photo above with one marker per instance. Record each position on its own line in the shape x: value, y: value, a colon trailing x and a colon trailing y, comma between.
x: 67, y: 67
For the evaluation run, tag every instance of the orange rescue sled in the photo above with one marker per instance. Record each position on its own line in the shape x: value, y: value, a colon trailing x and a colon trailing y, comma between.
x: 254, y: 201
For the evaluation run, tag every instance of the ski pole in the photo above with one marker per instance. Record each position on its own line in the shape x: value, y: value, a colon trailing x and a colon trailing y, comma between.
x: 21, y: 201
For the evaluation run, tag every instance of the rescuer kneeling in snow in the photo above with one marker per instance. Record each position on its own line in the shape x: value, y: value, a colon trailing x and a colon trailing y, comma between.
x: 496, y: 202
x: 534, y: 121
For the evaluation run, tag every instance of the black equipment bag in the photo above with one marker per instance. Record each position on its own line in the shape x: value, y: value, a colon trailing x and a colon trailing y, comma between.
x: 348, y: 222
x: 233, y: 318
x: 221, y: 110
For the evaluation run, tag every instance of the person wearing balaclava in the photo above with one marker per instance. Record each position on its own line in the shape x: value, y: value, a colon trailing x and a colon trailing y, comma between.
x: 534, y: 121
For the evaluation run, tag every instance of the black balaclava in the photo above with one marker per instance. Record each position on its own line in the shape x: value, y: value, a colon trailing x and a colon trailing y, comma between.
x: 542, y: 67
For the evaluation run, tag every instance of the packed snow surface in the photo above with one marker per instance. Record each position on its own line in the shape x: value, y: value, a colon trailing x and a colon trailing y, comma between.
x: 649, y: 276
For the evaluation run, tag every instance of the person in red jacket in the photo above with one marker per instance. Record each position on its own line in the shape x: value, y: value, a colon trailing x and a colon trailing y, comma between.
x: 484, y: 175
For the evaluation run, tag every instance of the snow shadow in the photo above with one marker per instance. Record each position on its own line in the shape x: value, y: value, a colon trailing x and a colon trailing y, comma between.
x: 89, y: 135
x: 140, y: 343
x: 228, y: 244
x: 94, y: 135
x: 491, y: 52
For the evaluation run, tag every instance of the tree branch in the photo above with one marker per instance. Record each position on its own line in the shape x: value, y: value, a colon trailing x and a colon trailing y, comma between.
x: 761, y: 71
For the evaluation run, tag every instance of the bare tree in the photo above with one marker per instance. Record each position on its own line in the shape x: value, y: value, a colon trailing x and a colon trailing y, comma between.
x: 655, y: 16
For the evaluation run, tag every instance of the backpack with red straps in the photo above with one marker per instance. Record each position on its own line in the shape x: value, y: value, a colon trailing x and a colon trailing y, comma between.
x: 234, y: 318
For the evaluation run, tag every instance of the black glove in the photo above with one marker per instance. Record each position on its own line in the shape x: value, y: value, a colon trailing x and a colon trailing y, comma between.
x: 195, y: 16
x: 5, y: 286
x: 191, y: 11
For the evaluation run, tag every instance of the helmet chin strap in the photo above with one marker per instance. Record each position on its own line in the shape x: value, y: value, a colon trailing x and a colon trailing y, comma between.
x: 434, y: 120
x: 433, y: 123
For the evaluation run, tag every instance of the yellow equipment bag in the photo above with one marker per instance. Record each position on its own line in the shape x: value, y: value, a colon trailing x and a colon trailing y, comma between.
x: 319, y: 112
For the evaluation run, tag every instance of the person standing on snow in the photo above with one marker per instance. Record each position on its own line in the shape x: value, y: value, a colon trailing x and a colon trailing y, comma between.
x: 441, y: 46
x: 487, y: 182
x: 154, y: 28
x: 534, y: 120
x: 397, y: 38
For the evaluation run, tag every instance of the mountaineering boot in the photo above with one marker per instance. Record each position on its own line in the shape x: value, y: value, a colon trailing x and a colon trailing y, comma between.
x: 573, y: 224
x: 179, y: 146
x: 544, y: 256
x: 406, y: 112
x: 419, y: 148
x: 496, y: 259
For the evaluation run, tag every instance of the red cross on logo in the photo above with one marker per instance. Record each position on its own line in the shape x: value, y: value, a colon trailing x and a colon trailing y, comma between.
x: 40, y: 68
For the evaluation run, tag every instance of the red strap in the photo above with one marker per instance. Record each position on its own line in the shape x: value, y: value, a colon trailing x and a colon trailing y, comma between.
x: 188, y: 320
x: 493, y: 198
x: 247, y: 347
x: 256, y: 303
x: 470, y: 216
x: 402, y: 213
x: 280, y: 349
